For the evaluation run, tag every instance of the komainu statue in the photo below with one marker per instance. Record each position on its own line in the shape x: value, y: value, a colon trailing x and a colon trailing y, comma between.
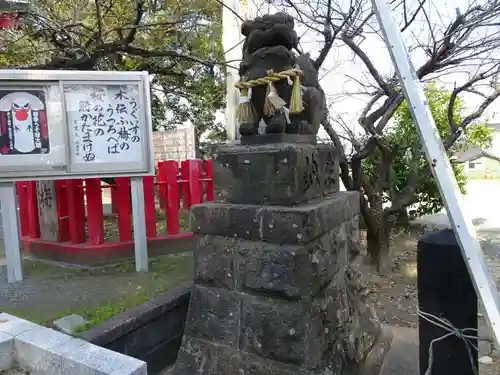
x: 275, y: 84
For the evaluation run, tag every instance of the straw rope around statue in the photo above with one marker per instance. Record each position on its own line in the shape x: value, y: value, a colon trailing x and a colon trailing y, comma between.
x: 246, y: 112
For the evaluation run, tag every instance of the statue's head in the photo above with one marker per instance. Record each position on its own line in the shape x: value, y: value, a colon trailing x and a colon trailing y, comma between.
x: 268, y: 31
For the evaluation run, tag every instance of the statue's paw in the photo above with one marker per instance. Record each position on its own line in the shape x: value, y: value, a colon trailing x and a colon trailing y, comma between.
x: 277, y: 124
x: 248, y: 129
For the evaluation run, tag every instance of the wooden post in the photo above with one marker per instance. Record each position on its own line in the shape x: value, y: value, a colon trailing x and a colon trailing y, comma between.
x: 47, y: 210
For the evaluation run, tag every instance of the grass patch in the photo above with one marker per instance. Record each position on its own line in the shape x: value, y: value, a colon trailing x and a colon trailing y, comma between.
x: 124, y: 288
x: 166, y: 272
x: 117, y: 287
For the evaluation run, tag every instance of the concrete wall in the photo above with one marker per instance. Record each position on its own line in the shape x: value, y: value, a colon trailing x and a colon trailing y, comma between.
x: 151, y: 332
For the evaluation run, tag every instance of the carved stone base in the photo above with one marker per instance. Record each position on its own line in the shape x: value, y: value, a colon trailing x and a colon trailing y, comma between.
x: 276, y: 174
x: 275, y: 289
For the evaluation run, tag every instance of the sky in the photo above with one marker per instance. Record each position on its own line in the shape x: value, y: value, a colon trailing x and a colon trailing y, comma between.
x: 341, y: 71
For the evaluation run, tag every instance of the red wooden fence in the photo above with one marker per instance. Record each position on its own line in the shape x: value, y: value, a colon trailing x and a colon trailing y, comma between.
x: 78, y: 228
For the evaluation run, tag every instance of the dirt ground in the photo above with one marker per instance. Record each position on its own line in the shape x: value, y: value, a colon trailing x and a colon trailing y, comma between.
x: 395, y: 296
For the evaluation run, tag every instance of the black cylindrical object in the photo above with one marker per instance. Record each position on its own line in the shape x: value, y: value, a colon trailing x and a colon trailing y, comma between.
x: 445, y: 290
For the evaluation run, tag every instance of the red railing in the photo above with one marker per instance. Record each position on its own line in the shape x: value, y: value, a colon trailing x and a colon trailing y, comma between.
x: 191, y: 184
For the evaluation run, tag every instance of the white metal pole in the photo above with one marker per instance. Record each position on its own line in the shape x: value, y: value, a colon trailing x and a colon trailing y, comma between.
x: 139, y: 220
x: 232, y: 44
x: 10, y: 225
x: 441, y: 167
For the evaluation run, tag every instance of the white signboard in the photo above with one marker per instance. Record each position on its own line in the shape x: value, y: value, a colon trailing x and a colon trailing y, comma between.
x: 178, y: 144
x: 56, y: 124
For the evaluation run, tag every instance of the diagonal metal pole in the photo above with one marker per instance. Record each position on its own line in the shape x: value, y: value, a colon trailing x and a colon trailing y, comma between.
x: 441, y: 167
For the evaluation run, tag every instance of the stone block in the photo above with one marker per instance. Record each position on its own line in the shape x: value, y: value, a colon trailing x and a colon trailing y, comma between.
x: 275, y: 224
x: 69, y: 323
x: 34, y: 350
x: 350, y: 326
x: 214, y: 314
x: 82, y: 358
x: 6, y: 351
x: 283, y: 331
x: 276, y: 174
x: 230, y: 362
x: 293, y: 271
x: 15, y: 326
x: 201, y: 357
x: 215, y: 261
x: 197, y: 357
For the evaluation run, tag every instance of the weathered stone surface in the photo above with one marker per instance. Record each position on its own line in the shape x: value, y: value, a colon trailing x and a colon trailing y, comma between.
x: 201, y: 357
x: 237, y: 362
x: 214, y: 314
x: 275, y: 224
x: 197, y: 357
x: 277, y: 174
x: 215, y: 260
x: 350, y: 325
x: 295, y: 271
x: 284, y: 331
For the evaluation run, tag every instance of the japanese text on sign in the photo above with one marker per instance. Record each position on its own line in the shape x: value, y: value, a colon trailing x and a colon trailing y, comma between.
x: 105, y: 123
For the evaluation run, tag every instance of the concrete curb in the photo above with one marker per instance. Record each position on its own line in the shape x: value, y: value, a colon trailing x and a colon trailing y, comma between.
x: 45, y: 351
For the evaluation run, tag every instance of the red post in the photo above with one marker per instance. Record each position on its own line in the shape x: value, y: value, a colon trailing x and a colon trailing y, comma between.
x: 195, y: 184
x: 149, y: 205
x: 76, y: 211
x: 34, y: 220
x: 186, y: 199
x: 124, y: 208
x: 22, y: 197
x: 171, y: 168
x: 162, y: 187
x: 95, y: 215
x: 62, y: 209
x: 210, y: 182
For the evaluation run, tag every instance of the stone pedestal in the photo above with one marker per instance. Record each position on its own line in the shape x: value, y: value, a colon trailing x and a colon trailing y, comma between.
x: 274, y: 291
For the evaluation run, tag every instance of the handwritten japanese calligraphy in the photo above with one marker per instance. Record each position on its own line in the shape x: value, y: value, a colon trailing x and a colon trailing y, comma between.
x: 105, y: 123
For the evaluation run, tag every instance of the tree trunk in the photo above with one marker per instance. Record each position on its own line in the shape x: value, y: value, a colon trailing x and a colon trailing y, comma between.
x: 378, y: 236
x: 403, y: 217
x: 378, y: 241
